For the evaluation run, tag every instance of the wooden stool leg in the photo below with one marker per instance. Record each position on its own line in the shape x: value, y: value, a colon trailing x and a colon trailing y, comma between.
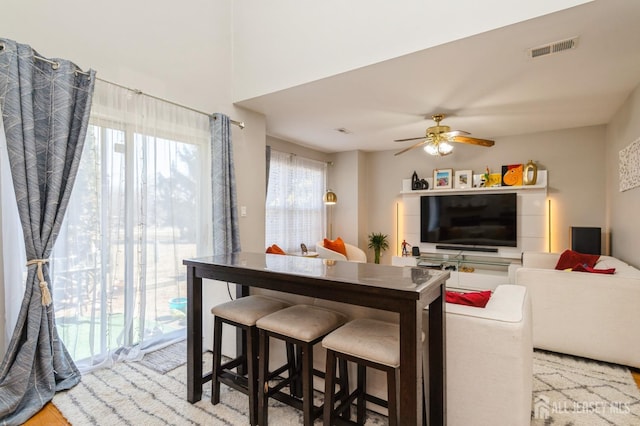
x: 252, y: 370
x: 392, y: 396
x: 344, y: 385
x: 298, y: 384
x: 307, y: 384
x: 294, y: 388
x: 217, y: 359
x: 424, y: 403
x: 362, y: 390
x: 263, y: 372
x: 329, y: 388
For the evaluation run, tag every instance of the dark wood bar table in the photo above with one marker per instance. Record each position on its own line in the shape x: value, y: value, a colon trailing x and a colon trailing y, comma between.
x: 404, y: 290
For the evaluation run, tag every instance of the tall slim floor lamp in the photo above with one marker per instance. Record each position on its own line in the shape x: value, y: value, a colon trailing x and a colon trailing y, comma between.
x: 330, y: 198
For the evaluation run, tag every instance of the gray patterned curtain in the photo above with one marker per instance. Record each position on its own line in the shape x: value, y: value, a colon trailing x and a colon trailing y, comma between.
x: 226, y: 233
x: 45, y: 107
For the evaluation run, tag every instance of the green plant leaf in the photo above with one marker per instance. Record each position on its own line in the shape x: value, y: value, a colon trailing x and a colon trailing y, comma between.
x: 378, y: 241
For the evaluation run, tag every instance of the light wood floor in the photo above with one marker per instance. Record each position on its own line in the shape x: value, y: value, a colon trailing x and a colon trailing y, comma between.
x: 50, y: 416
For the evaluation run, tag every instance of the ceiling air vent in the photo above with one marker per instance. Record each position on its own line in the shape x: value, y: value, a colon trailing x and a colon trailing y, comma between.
x: 555, y: 47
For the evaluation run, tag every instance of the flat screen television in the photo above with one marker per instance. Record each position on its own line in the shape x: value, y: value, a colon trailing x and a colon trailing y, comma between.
x: 469, y: 220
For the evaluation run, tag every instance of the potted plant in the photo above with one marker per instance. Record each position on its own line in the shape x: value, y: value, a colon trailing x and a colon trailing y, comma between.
x: 378, y: 242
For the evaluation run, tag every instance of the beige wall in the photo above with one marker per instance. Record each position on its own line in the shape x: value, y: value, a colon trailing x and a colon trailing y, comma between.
x: 345, y: 181
x: 177, y: 50
x: 292, y: 148
x: 572, y: 157
x: 623, y: 207
x: 296, y: 42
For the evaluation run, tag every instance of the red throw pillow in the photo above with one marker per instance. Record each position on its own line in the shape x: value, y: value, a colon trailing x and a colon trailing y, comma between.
x: 336, y: 245
x: 274, y: 249
x: 570, y: 259
x: 478, y: 299
x: 586, y: 268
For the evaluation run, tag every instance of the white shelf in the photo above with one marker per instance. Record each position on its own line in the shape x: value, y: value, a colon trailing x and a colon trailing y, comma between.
x: 541, y: 184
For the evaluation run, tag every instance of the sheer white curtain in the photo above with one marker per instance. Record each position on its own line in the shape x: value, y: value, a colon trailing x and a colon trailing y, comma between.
x: 140, y: 204
x: 295, y: 212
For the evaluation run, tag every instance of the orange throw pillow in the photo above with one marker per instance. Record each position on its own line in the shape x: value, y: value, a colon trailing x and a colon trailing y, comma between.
x: 274, y: 249
x: 336, y: 245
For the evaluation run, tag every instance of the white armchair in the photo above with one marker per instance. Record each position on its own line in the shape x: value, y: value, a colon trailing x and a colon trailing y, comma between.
x: 489, y: 360
x: 354, y: 254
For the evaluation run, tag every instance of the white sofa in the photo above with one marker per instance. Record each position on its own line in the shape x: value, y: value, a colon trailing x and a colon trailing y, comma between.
x: 489, y: 360
x: 354, y: 254
x: 584, y: 314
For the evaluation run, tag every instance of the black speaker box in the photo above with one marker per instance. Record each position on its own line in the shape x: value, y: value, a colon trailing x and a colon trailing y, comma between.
x: 585, y: 240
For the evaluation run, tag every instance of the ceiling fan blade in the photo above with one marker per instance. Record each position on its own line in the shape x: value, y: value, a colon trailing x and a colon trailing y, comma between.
x: 473, y: 141
x: 455, y: 133
x: 415, y: 145
x: 409, y: 139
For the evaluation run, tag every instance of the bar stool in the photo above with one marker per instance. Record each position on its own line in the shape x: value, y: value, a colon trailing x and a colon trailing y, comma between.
x: 243, y: 313
x: 368, y: 343
x: 303, y: 326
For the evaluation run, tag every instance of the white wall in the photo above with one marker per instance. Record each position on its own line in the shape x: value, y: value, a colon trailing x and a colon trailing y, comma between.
x: 283, y: 43
x: 623, y: 207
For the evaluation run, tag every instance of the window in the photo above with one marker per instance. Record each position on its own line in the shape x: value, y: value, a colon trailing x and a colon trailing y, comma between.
x: 295, y: 212
x: 140, y: 204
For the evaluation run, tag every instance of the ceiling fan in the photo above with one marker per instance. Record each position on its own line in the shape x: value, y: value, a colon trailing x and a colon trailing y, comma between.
x: 437, y: 140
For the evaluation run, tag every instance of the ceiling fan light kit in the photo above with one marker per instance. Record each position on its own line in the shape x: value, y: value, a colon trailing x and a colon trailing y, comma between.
x: 437, y: 140
x: 439, y: 148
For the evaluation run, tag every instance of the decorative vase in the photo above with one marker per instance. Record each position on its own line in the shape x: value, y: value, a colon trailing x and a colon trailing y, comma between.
x: 376, y: 254
x: 530, y: 173
x: 415, y: 182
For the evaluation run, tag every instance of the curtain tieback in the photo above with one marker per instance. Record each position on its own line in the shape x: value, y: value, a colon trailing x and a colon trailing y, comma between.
x: 44, y: 288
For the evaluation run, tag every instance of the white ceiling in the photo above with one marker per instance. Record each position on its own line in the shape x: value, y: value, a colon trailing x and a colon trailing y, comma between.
x: 486, y: 84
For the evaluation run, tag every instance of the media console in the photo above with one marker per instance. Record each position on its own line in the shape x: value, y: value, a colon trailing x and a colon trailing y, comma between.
x: 533, y: 219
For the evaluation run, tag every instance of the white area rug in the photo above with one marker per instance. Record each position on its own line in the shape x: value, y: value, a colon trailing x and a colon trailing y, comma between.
x: 568, y: 391
x: 130, y: 393
x: 573, y: 391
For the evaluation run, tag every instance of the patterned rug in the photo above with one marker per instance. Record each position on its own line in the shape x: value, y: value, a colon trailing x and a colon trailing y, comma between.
x: 573, y: 391
x: 568, y: 391
x: 131, y: 393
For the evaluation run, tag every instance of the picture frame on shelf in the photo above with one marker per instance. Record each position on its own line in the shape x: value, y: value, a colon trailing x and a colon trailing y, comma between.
x: 495, y: 179
x: 442, y: 178
x: 512, y: 175
x: 463, y: 179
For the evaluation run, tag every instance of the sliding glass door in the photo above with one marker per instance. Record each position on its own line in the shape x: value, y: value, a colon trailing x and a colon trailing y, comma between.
x: 139, y: 206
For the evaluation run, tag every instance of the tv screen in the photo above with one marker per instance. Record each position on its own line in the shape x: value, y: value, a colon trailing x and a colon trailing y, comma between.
x: 471, y: 220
